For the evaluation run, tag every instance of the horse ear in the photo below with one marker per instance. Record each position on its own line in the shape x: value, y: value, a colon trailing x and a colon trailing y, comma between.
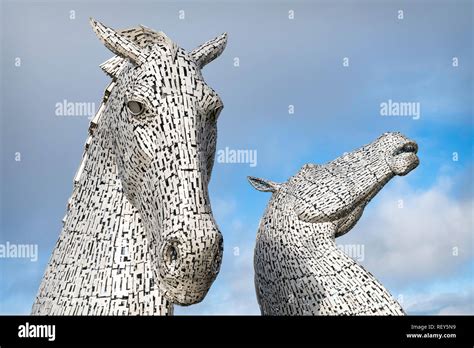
x: 209, y: 50
x: 113, y: 66
x: 117, y: 43
x: 263, y: 185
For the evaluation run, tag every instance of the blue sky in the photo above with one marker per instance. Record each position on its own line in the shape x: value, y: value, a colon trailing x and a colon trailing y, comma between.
x: 282, y: 62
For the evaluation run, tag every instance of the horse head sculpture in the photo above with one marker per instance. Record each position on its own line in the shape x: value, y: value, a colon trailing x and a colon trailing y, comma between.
x: 139, y: 234
x: 163, y: 121
x: 296, y: 254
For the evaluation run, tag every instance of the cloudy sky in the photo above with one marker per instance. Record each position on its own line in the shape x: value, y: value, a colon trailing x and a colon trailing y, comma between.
x: 417, y: 234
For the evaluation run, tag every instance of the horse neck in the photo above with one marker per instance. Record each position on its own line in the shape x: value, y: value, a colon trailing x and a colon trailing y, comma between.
x: 362, y: 293
x: 321, y: 262
x: 101, y: 263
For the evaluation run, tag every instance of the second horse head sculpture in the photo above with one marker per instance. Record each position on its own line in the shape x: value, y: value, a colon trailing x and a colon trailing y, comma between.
x: 298, y: 268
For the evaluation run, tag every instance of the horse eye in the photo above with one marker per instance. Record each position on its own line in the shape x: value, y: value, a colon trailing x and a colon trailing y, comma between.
x: 135, y: 107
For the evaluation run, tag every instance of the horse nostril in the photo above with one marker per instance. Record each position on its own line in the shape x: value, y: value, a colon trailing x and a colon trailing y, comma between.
x: 171, y: 253
x: 409, y: 148
x: 215, y: 265
x: 216, y: 261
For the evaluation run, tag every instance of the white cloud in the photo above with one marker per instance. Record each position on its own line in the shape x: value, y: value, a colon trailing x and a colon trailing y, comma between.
x: 444, y: 303
x: 418, y: 242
